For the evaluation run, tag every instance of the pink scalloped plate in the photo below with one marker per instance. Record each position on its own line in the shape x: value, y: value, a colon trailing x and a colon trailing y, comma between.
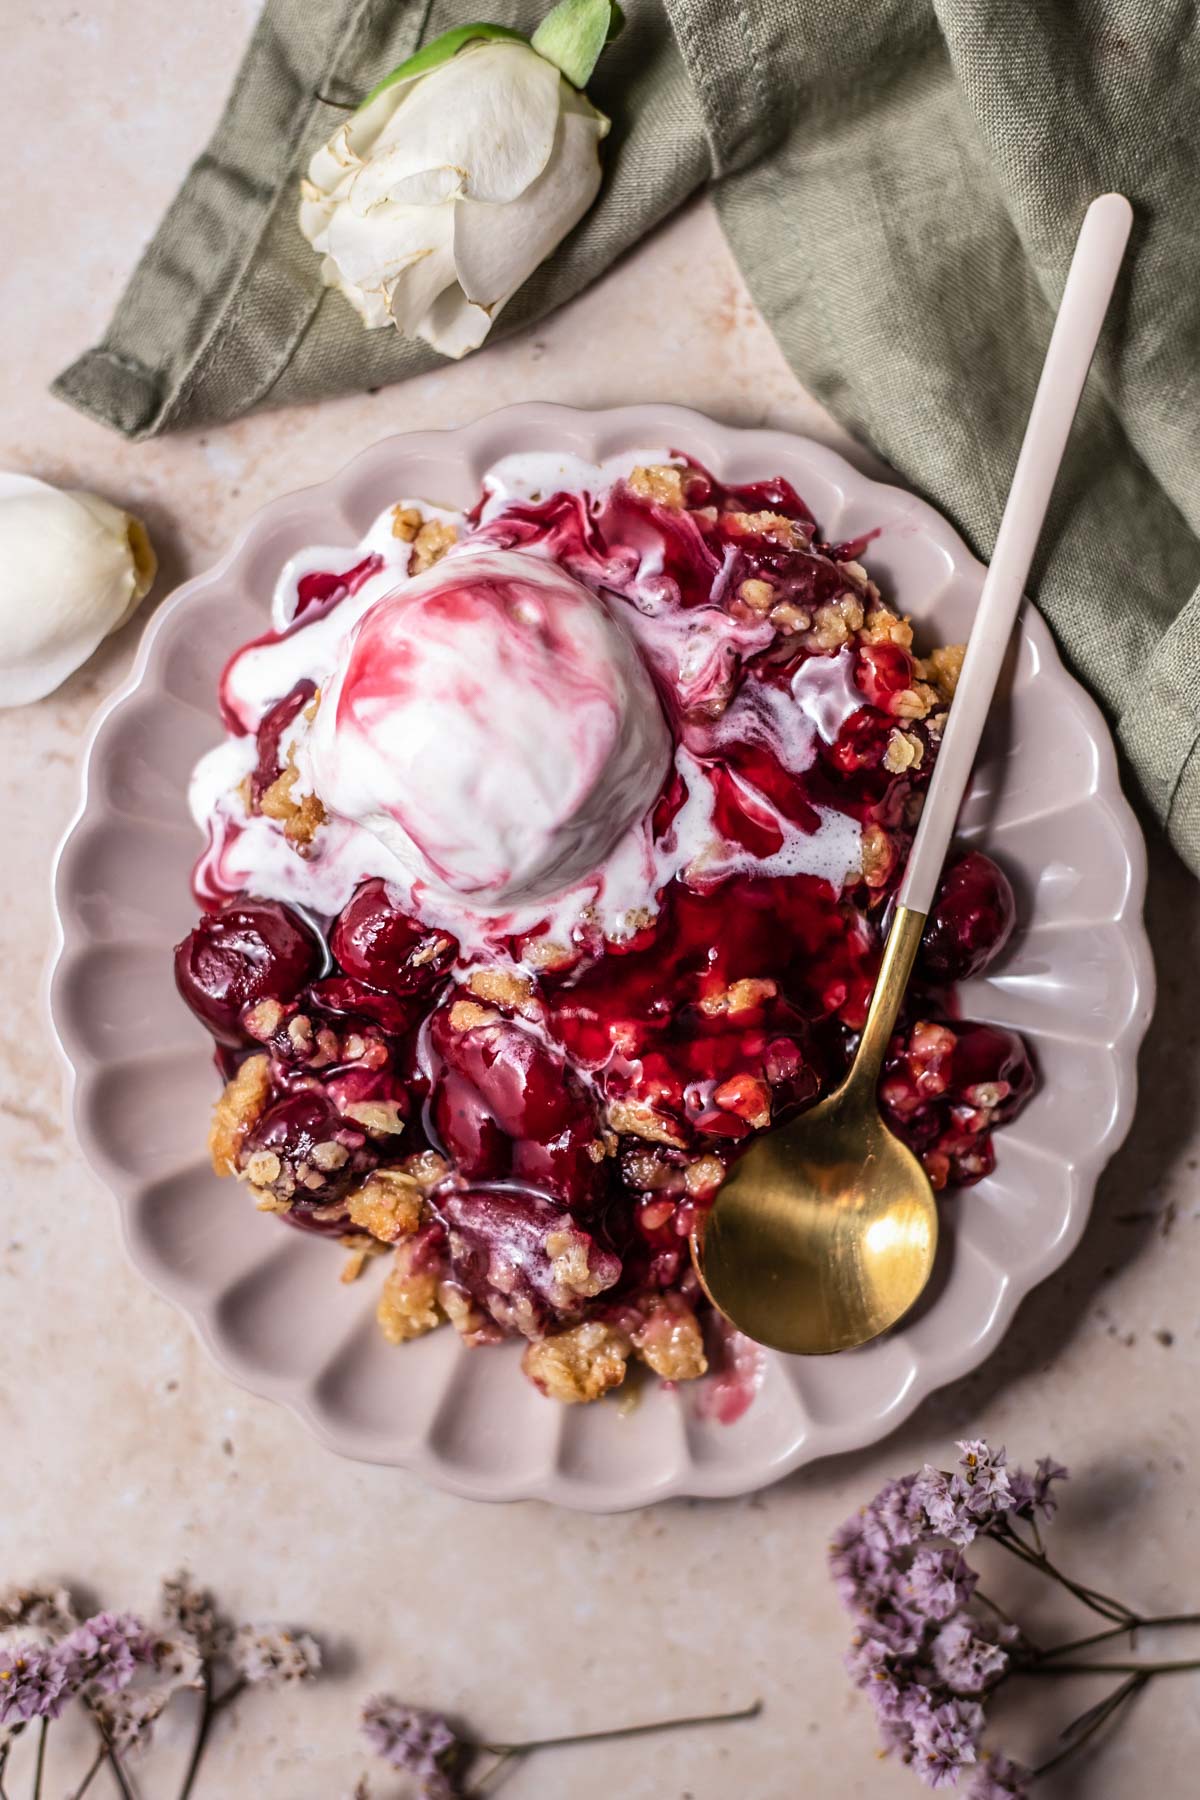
x: 1077, y: 981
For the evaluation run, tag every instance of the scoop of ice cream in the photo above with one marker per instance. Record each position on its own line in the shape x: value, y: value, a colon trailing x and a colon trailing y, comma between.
x: 494, y: 725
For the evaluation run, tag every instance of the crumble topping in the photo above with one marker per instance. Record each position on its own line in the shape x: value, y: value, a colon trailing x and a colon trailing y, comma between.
x: 670, y: 1341
x: 836, y: 623
x: 504, y: 987
x: 570, y: 1264
x: 431, y: 543
x: 578, y: 1365
x: 904, y: 751
x: 748, y: 1097
x: 639, y: 1119
x: 942, y: 668
x: 661, y: 483
x: 388, y: 1205
x: 777, y: 528
x: 382, y: 1118
x: 408, y: 1302
x: 742, y: 996
x: 882, y: 626
x: 236, y: 1111
x: 300, y: 817
x: 878, y: 856
x: 466, y: 1016
x: 758, y: 595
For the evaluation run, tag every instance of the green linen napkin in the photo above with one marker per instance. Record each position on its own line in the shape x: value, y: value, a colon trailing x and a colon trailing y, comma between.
x: 901, y: 182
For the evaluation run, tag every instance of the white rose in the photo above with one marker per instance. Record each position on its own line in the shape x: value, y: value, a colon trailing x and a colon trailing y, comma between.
x: 72, y: 570
x: 443, y: 192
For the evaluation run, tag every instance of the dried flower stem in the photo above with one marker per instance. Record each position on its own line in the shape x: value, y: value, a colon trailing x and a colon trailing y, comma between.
x: 624, y: 1731
x: 40, y: 1765
x: 1138, y: 1623
x: 1089, y: 1723
x: 110, y: 1752
x: 210, y: 1706
x: 1110, y: 1668
x: 202, y: 1730
x: 92, y: 1772
x: 1092, y: 1598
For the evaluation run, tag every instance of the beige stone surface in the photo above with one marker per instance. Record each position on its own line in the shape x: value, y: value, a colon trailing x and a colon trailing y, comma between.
x: 124, y: 1453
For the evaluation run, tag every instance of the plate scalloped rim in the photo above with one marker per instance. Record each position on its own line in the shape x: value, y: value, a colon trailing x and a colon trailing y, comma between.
x: 732, y: 1474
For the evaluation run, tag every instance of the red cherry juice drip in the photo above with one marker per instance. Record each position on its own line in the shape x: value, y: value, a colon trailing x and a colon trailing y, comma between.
x: 316, y: 594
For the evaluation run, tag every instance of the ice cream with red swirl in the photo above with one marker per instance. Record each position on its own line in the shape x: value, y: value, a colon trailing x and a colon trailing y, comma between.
x: 494, y: 725
x: 547, y: 862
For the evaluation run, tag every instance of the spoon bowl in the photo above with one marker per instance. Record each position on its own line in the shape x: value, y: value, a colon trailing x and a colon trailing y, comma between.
x: 824, y: 1234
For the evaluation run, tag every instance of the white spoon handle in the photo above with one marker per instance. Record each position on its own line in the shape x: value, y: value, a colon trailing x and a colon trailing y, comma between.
x: 1086, y: 295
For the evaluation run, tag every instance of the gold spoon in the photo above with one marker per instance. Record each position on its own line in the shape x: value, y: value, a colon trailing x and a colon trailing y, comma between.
x: 824, y: 1233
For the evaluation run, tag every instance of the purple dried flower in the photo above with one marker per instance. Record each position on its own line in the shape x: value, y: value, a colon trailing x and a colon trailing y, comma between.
x: 870, y: 1668
x: 901, y: 1631
x: 862, y: 1573
x: 946, y: 1503
x: 1033, y: 1494
x: 940, y: 1583
x: 945, y: 1738
x: 964, y: 1661
x: 1000, y: 1779
x: 894, y: 1519
x: 33, y: 1684
x: 1047, y: 1473
x: 104, y: 1652
x: 415, y: 1739
x: 897, y: 1739
x: 959, y: 1507
x: 987, y: 1475
x: 1022, y: 1493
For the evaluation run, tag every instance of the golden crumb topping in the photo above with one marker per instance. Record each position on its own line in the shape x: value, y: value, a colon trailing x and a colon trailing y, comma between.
x: 661, y: 483
x: 503, y: 987
x: 942, y: 668
x: 387, y: 1204
x: 579, y: 1365
x: 431, y: 543
x: 408, y: 1305
x: 670, y: 1340
x: 639, y: 1119
x: 300, y: 817
x: 465, y: 1015
x: 236, y: 1111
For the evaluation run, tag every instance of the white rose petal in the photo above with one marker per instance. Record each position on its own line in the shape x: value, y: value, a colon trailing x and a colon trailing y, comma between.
x: 441, y: 196
x: 372, y: 253
x: 481, y: 125
x: 72, y: 570
x: 496, y: 248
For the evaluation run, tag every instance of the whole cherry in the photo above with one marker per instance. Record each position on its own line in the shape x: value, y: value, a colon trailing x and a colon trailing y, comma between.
x: 971, y: 920
x: 248, y: 951
x: 377, y: 943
